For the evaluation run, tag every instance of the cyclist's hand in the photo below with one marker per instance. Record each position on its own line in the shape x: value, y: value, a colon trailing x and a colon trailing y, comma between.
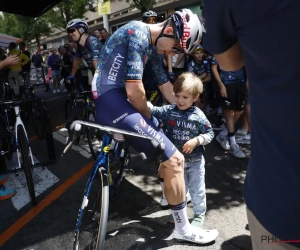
x: 70, y: 79
x: 223, y: 91
x: 155, y: 121
x: 189, y: 146
x: 12, y: 60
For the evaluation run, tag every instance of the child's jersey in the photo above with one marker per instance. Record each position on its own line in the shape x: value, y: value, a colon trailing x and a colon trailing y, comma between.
x: 199, y: 69
x: 182, y: 125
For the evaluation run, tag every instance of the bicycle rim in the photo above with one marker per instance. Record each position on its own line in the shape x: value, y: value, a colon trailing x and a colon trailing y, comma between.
x: 91, y: 235
x: 70, y: 116
x: 37, y: 118
x: 94, y: 135
x: 26, y: 164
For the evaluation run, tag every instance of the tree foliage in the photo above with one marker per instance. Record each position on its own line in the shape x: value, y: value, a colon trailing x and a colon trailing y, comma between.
x: 67, y: 10
x: 142, y: 5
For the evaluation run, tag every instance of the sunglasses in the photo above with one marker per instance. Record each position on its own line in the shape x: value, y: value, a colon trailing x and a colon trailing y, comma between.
x: 70, y: 31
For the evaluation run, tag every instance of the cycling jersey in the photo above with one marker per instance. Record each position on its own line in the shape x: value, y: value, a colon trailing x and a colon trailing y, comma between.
x: 122, y: 59
x: 182, y: 125
x: 199, y: 69
x: 89, y: 51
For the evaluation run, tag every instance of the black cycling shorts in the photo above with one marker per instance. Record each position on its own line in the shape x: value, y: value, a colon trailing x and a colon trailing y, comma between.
x: 114, y: 110
x: 236, y: 94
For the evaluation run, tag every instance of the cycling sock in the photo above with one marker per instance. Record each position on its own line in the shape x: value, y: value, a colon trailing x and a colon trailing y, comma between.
x: 182, y: 224
x: 161, y: 180
x: 231, y: 139
x: 224, y: 131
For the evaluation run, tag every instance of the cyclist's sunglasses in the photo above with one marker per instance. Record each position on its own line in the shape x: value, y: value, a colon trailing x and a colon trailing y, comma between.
x: 70, y: 31
x: 151, y: 20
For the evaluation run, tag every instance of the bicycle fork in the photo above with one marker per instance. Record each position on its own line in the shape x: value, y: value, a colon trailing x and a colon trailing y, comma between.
x: 20, y: 122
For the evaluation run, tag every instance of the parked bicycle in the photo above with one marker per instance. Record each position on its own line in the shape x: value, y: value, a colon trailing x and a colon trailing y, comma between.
x: 103, y: 183
x: 34, y: 106
x: 79, y: 105
x: 14, y: 138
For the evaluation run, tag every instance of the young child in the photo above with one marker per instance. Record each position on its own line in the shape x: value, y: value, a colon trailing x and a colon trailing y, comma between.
x: 201, y: 68
x: 189, y: 130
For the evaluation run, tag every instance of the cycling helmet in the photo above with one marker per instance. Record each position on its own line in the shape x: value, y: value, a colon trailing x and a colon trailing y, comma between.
x: 148, y: 15
x: 78, y: 23
x: 188, y: 29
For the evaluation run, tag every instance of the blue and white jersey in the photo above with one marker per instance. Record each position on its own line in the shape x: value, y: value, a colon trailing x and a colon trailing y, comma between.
x: 124, y: 56
x: 181, y: 126
x: 198, y: 69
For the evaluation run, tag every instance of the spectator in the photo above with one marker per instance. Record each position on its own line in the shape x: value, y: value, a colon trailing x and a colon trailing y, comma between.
x: 37, y: 61
x: 97, y: 34
x: 104, y: 34
x: 54, y: 64
x: 26, y: 67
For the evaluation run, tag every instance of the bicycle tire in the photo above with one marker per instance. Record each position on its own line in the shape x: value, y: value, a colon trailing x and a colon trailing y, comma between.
x: 95, y: 215
x: 70, y: 116
x: 37, y: 118
x: 27, y: 164
x: 119, y: 160
x: 94, y: 136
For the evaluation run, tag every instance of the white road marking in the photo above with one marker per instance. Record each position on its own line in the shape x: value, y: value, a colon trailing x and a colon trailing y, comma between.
x: 42, y: 179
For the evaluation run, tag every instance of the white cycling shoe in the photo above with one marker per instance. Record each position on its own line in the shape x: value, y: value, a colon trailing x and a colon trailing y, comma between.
x: 197, y: 235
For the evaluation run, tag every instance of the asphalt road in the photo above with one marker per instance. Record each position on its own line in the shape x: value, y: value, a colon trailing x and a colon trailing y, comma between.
x: 136, y: 220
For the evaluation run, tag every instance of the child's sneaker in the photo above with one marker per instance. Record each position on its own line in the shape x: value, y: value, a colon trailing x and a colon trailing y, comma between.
x: 3, y: 179
x: 197, y: 235
x: 245, y: 139
x: 223, y: 141
x: 241, y: 132
x: 198, y: 220
x: 236, y: 151
x: 6, y: 193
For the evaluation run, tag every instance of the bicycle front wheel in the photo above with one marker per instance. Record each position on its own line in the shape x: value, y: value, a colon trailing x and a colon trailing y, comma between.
x: 92, y: 228
x: 26, y: 162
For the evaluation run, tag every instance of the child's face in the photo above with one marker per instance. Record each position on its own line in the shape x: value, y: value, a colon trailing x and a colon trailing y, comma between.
x: 184, y: 100
x: 198, y: 55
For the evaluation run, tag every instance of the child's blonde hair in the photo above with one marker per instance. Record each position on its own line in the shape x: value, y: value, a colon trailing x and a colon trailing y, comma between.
x: 189, y: 83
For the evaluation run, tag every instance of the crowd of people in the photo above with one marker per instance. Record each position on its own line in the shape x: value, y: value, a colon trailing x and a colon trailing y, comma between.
x: 194, y: 83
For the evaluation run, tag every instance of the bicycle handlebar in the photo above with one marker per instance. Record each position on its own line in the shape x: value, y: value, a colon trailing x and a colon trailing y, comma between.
x: 27, y: 86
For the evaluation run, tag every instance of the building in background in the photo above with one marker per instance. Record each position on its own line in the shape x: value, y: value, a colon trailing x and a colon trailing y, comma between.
x: 120, y: 14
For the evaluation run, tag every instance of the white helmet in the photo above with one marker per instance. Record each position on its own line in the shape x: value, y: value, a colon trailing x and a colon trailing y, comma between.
x: 188, y: 29
x: 77, y: 23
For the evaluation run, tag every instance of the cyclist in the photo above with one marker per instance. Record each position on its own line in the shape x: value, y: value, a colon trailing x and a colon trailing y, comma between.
x: 120, y: 99
x: 88, y: 47
x: 149, y: 17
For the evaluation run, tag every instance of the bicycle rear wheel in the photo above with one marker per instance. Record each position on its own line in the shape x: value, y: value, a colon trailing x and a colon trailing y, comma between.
x: 119, y: 160
x: 26, y: 162
x: 70, y: 116
x: 94, y: 136
x: 93, y: 219
x: 37, y: 117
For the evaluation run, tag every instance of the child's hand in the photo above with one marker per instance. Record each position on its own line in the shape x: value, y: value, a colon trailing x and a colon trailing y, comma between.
x: 189, y: 146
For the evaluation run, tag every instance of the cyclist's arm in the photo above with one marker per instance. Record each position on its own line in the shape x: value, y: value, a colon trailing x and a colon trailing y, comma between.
x: 167, y: 91
x: 95, y: 64
x: 75, y: 66
x: 224, y: 45
x: 137, y: 96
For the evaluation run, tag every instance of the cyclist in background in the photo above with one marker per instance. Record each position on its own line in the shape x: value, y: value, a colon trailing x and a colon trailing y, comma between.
x: 120, y: 99
x: 88, y: 46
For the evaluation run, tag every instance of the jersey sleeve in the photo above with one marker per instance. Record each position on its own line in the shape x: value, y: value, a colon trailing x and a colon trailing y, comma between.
x: 94, y: 46
x: 220, y: 28
x: 157, y: 68
x: 160, y: 112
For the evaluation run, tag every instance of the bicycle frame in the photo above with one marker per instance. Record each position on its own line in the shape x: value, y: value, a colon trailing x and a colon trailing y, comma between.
x: 20, y: 122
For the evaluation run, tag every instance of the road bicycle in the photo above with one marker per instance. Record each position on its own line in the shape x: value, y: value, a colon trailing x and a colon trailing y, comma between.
x: 104, y: 181
x: 14, y: 138
x: 34, y: 106
x: 79, y: 105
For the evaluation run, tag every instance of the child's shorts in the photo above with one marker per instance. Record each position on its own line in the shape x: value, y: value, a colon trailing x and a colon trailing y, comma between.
x: 236, y: 95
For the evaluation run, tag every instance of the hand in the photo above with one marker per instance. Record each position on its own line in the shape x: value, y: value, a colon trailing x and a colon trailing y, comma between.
x: 12, y: 60
x: 223, y: 91
x: 155, y: 121
x: 189, y: 146
x: 70, y: 79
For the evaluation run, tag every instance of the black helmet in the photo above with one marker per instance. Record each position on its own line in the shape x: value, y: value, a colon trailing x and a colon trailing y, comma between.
x: 149, y: 15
